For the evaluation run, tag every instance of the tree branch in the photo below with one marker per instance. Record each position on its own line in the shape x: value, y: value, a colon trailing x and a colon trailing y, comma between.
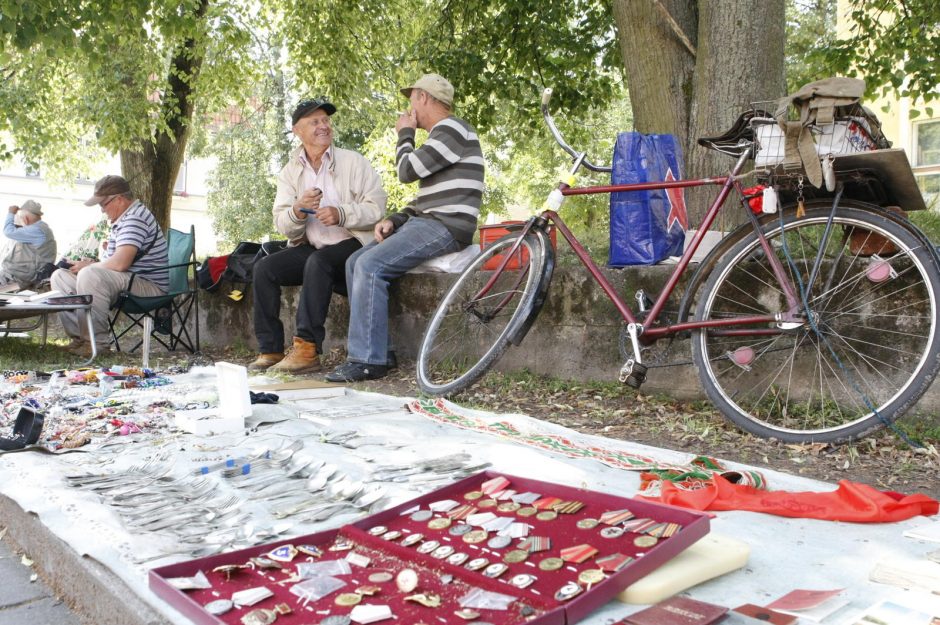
x: 675, y: 27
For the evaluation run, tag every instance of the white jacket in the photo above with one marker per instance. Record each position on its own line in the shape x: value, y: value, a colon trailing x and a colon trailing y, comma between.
x: 362, y: 198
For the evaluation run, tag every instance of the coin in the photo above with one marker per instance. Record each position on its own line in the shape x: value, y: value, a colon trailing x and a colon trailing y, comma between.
x: 429, y: 600
x: 476, y: 536
x: 428, y: 546
x: 457, y: 559
x: 474, y: 494
x: 412, y: 539
x: 612, y: 532
x: 516, y: 555
x: 486, y: 503
x: 378, y: 530
x: 527, y: 511
x: 523, y: 580
x: 460, y: 529
x: 348, y: 599
x: 392, y: 535
x: 568, y: 591
x: 645, y: 541
x: 547, y: 515
x: 591, y: 576
x: 337, y: 619
x: 551, y: 564
x: 498, y: 542
x: 476, y: 564
x: 219, y: 606
x: 421, y: 516
x: 378, y: 578
x: 495, y: 570
x: 439, y: 523
x: 587, y: 524
x: 442, y: 552
x: 407, y: 580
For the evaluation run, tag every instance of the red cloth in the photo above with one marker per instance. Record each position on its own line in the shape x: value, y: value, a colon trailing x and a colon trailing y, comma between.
x: 853, y: 502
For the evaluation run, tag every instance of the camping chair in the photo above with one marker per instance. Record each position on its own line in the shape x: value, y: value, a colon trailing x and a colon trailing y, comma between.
x: 168, y: 314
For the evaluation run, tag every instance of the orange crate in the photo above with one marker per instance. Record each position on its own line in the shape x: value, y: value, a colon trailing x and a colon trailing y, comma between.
x: 492, y: 233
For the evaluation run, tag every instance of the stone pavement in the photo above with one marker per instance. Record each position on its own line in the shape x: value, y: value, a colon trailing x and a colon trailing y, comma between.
x: 23, y: 601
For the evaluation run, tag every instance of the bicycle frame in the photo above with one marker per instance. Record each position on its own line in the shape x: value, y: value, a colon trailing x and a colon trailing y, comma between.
x: 649, y: 334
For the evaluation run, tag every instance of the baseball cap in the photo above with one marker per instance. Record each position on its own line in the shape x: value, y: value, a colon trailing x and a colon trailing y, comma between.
x: 436, y: 85
x: 33, y: 207
x: 305, y: 107
x: 107, y: 186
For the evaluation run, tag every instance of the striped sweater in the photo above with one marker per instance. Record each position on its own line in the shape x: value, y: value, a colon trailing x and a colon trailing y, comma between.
x: 449, y: 170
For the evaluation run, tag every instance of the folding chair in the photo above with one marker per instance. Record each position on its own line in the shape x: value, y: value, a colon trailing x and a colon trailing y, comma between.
x: 168, y: 314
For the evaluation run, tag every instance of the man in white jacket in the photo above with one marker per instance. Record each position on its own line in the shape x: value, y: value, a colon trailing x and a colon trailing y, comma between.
x: 328, y: 202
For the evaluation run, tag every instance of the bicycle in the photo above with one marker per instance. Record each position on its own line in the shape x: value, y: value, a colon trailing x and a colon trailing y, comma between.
x: 817, y: 327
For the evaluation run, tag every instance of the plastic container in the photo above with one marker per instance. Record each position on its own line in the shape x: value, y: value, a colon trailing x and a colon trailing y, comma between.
x: 489, y: 234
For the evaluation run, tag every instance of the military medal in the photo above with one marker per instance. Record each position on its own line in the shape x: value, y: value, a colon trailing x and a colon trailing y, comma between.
x: 551, y: 564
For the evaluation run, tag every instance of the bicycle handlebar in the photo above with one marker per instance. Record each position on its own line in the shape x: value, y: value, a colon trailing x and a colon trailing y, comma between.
x: 546, y: 96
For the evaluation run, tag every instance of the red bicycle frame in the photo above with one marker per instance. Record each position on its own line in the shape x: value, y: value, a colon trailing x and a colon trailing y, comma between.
x: 649, y: 333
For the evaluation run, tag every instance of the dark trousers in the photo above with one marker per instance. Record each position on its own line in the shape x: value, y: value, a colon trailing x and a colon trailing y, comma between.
x: 318, y: 272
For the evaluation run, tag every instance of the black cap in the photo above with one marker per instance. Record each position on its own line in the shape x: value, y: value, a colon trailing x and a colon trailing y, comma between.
x: 305, y: 107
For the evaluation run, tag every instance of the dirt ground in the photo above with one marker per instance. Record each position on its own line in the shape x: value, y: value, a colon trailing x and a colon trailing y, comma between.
x: 882, y: 460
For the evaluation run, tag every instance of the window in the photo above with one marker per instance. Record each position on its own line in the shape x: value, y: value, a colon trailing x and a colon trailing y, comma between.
x: 927, y: 160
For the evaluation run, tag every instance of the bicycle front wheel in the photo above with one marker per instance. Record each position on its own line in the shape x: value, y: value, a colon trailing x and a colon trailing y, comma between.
x: 864, y: 348
x: 475, y: 321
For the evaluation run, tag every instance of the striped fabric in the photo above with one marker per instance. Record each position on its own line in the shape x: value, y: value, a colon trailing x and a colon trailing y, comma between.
x: 138, y: 227
x: 449, y: 170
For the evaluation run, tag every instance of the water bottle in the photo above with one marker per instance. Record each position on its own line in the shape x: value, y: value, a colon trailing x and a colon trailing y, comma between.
x: 105, y: 385
x: 56, y: 383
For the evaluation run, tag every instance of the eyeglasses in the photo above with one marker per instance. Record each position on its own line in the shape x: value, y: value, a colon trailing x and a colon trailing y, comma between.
x: 107, y: 201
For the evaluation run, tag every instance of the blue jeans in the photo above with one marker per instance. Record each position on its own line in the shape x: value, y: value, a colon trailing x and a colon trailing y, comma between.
x: 369, y: 272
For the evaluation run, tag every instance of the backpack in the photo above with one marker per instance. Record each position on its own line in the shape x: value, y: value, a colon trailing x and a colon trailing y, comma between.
x: 236, y: 267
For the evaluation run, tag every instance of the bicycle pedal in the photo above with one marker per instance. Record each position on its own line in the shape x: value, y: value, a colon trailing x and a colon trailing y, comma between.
x: 633, y: 374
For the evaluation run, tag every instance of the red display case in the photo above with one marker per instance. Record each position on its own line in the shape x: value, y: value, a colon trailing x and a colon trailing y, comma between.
x: 635, y: 535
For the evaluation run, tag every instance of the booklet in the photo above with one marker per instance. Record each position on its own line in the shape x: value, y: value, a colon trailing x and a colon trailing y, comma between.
x: 765, y: 615
x: 678, y: 611
x: 812, y: 605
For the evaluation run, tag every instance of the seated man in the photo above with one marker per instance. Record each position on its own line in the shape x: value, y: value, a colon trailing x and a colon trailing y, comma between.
x: 135, y: 245
x: 328, y: 200
x: 33, y: 245
x: 443, y: 218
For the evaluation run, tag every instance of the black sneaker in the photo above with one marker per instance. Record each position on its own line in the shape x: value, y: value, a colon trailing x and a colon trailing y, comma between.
x: 356, y: 372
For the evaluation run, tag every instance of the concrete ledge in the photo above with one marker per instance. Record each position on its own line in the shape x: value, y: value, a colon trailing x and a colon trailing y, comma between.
x: 89, y: 588
x: 576, y: 336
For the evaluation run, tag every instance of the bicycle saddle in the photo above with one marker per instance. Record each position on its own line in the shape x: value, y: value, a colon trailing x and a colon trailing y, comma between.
x: 730, y: 141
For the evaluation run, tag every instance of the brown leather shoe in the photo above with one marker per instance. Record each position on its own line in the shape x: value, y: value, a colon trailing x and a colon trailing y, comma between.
x: 263, y: 361
x: 302, y: 358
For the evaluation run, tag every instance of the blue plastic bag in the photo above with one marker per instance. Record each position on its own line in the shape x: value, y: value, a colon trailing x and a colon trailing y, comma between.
x: 646, y: 226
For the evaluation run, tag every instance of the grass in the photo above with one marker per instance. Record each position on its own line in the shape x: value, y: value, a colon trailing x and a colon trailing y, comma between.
x: 28, y: 354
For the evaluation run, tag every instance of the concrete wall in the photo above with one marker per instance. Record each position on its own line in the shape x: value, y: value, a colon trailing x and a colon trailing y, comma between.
x: 575, y: 337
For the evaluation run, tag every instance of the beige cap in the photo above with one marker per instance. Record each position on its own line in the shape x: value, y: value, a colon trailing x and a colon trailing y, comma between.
x: 436, y: 85
x: 33, y: 207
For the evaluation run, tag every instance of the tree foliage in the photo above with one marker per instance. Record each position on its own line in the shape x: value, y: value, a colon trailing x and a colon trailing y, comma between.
x: 894, y: 45
x: 125, y: 75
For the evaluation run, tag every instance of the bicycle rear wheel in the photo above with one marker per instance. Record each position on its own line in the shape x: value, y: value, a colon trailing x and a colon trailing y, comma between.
x: 867, y: 348
x: 471, y: 328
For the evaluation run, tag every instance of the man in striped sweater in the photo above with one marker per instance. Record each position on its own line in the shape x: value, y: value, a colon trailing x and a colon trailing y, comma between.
x: 448, y: 168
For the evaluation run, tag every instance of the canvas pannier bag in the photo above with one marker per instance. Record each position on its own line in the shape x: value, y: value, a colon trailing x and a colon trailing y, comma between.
x: 826, y: 104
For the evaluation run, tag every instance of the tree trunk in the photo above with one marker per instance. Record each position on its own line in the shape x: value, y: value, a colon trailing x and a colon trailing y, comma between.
x: 736, y: 58
x: 152, y: 168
